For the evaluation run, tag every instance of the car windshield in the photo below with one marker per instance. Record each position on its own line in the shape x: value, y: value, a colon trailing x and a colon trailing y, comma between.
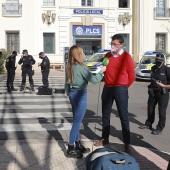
x: 97, y: 57
x: 148, y: 60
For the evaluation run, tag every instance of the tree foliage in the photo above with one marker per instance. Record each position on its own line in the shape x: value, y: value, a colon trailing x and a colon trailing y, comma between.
x: 5, y: 54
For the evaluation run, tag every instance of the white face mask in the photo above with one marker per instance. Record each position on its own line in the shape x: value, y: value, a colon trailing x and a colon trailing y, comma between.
x: 113, y: 48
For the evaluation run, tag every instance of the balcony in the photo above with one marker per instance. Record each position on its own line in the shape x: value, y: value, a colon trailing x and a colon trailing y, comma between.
x: 11, y: 9
x: 160, y: 12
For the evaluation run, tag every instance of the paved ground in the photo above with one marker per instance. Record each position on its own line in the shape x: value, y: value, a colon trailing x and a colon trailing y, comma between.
x: 41, y: 154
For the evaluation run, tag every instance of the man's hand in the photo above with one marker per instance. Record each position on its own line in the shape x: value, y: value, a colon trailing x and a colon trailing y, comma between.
x: 31, y: 63
x: 160, y: 84
x: 103, y: 68
x: 39, y: 64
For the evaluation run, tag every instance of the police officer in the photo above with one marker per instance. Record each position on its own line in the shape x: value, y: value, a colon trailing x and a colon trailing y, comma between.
x: 27, y: 61
x: 157, y: 95
x: 45, y: 68
x: 10, y: 66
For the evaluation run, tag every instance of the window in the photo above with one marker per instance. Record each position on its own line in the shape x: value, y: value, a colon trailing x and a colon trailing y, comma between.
x: 11, y: 7
x: 160, y: 42
x: 123, y: 3
x: 49, y: 43
x: 13, y: 41
x: 160, y: 8
x: 12, y: 1
x: 86, y: 2
x: 49, y: 2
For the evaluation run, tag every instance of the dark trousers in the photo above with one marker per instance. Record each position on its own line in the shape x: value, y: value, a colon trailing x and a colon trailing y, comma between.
x: 10, y: 78
x: 45, y: 74
x: 26, y: 71
x: 120, y: 95
x: 162, y: 101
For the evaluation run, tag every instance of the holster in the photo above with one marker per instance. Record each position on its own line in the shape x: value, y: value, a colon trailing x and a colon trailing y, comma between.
x: 151, y: 92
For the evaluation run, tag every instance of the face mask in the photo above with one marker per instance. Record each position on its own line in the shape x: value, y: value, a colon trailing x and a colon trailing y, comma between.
x: 113, y: 48
x: 158, y: 63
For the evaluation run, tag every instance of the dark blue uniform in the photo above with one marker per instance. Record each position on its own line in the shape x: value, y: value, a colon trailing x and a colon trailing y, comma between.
x: 158, y: 95
x: 27, y: 62
x: 10, y: 66
x: 45, y: 69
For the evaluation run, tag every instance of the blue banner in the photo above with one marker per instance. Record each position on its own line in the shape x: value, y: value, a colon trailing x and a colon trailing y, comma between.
x: 87, y: 30
x: 88, y: 11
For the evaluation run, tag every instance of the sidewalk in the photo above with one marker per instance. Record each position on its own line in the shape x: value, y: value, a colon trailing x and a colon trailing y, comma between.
x: 38, y: 154
x: 50, y: 154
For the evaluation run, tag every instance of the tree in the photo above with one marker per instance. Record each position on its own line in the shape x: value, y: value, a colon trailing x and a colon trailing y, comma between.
x: 5, y: 54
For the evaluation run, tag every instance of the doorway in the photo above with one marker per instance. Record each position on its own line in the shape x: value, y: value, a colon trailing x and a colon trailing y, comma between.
x: 90, y: 46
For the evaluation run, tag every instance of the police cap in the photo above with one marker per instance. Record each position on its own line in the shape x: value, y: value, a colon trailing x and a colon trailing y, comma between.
x: 24, y: 51
x: 159, y: 57
x: 14, y: 52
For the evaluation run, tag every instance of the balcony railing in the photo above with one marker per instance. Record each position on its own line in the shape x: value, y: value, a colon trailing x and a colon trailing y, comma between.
x: 161, y: 12
x: 11, y: 9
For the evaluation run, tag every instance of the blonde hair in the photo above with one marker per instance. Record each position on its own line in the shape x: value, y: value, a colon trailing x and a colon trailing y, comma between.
x: 75, y: 56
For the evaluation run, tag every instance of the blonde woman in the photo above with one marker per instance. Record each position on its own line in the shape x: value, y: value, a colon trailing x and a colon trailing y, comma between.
x: 77, y: 78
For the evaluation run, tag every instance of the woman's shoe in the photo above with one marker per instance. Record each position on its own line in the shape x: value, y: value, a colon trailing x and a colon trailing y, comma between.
x: 81, y: 147
x: 73, y: 153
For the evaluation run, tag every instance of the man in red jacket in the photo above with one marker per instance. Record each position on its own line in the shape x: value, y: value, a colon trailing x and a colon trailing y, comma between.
x: 119, y: 75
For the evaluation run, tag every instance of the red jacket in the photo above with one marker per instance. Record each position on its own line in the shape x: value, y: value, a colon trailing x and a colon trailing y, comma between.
x: 120, y: 70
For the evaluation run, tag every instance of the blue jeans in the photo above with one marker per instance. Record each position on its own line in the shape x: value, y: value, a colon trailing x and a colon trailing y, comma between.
x: 78, y: 100
x: 120, y: 95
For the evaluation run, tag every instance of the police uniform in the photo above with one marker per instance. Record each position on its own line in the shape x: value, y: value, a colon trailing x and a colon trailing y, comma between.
x: 45, y: 69
x: 158, y: 95
x: 10, y: 66
x: 27, y: 62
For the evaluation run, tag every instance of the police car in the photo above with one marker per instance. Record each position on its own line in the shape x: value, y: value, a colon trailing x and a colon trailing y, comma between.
x: 143, y: 69
x: 96, y: 61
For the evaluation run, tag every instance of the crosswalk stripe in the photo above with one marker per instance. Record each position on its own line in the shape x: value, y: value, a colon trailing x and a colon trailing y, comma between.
x: 35, y: 115
x: 33, y: 100
x: 34, y: 127
x: 28, y: 94
x: 31, y: 107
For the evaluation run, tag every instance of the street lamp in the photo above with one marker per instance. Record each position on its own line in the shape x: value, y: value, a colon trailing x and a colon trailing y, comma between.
x: 124, y: 19
x: 48, y: 17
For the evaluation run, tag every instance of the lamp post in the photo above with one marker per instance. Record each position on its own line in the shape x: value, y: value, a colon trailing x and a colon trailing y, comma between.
x: 48, y: 17
x: 124, y: 19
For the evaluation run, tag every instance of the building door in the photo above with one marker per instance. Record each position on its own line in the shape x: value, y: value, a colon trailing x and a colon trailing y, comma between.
x: 89, y: 37
x: 13, y: 42
x: 90, y: 46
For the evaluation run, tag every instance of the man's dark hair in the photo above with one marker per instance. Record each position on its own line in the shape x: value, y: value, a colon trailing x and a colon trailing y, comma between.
x: 41, y: 53
x: 14, y: 52
x: 118, y: 37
